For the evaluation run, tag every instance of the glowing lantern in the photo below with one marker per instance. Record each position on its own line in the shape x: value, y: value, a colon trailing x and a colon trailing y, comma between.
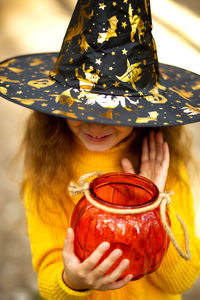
x: 114, y: 215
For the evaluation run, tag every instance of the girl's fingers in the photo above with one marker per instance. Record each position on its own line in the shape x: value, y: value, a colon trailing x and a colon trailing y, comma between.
x: 159, y: 146
x: 117, y: 272
x: 101, y: 269
x: 166, y: 156
x: 118, y: 284
x: 152, y: 145
x: 68, y: 254
x: 69, y: 242
x: 127, y: 165
x: 145, y: 150
x: 89, y: 263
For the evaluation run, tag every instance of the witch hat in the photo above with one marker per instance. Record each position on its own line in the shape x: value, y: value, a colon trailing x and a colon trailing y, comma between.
x: 107, y: 71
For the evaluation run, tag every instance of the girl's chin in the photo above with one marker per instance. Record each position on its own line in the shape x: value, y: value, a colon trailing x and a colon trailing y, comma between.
x: 96, y: 148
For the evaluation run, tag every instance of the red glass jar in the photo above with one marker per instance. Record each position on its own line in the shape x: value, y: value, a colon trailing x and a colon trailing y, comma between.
x: 140, y: 236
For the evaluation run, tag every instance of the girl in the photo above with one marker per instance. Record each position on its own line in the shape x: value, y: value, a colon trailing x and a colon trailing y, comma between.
x: 72, y: 148
x: 96, y: 111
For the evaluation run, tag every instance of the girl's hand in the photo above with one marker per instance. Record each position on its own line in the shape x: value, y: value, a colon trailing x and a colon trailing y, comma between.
x: 81, y: 276
x: 154, y: 159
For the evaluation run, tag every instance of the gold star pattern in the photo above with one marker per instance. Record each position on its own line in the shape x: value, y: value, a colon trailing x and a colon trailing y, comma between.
x: 114, y: 3
x: 125, y: 1
x: 102, y: 5
x: 98, y: 61
x: 132, y: 74
x: 116, y: 84
x: 124, y: 51
x: 104, y: 85
x: 111, y: 68
x: 71, y: 60
x: 124, y: 24
x: 113, y: 53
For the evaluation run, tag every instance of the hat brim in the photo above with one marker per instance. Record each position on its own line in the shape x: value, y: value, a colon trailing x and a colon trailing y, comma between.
x: 175, y: 100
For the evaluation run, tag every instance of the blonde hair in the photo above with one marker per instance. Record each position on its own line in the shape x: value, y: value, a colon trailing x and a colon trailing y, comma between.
x: 47, y: 147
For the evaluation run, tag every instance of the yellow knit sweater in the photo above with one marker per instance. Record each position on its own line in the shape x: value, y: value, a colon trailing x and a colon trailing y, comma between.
x: 174, y: 276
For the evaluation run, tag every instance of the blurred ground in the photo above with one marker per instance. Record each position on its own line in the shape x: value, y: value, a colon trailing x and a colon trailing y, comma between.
x: 39, y: 26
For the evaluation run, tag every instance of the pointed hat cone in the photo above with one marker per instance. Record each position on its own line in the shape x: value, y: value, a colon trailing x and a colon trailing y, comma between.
x: 109, y: 49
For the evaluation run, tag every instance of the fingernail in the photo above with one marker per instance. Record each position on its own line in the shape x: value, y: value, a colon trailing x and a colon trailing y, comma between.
x: 125, y: 262
x: 69, y: 230
x: 106, y: 245
x: 117, y: 252
x: 130, y: 276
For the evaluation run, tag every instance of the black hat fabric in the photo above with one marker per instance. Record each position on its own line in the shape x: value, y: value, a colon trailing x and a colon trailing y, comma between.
x: 107, y: 71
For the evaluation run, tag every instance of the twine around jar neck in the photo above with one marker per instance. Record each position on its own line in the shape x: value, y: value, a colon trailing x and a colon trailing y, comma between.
x: 163, y: 200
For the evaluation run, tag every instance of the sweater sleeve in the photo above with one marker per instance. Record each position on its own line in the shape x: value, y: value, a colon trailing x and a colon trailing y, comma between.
x: 47, y: 239
x: 176, y: 275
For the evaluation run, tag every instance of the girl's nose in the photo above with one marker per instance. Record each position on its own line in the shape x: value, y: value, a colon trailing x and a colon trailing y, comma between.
x: 96, y: 128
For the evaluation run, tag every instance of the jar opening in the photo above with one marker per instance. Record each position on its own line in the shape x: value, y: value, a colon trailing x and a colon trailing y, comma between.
x: 123, y: 190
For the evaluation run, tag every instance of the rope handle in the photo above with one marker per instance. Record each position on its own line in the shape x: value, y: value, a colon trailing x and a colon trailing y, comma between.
x: 186, y: 255
x: 163, y: 200
x: 83, y: 186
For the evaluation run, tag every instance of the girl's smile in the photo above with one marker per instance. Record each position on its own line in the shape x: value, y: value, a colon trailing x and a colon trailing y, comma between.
x: 98, y: 137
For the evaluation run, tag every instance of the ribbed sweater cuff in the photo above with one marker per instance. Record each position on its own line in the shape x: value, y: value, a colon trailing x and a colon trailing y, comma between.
x: 52, y: 286
x: 65, y: 289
